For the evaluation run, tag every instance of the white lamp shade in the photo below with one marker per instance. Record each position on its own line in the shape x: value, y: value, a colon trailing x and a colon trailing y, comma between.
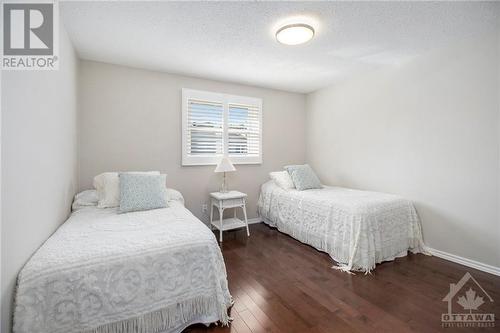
x: 225, y: 165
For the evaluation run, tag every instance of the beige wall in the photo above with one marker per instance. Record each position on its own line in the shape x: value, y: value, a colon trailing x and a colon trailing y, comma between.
x: 130, y: 119
x: 428, y: 130
x: 39, y: 161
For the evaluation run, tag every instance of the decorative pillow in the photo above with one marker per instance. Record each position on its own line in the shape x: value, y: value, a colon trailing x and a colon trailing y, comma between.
x: 303, y: 177
x: 282, y: 179
x: 107, y: 185
x: 142, y: 192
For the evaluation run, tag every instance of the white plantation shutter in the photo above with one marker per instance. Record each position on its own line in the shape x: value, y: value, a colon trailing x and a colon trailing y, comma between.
x: 243, y: 130
x: 219, y: 124
x: 205, y: 128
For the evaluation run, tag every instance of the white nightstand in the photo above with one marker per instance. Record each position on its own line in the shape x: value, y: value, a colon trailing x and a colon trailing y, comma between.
x: 231, y: 199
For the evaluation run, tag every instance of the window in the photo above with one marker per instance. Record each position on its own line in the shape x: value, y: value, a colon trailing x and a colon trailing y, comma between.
x: 216, y: 124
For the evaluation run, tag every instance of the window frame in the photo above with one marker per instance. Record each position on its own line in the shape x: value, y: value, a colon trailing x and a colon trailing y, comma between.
x: 225, y: 100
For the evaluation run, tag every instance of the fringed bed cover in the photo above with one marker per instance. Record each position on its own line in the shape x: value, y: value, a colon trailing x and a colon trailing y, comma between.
x: 358, y: 229
x: 142, y: 272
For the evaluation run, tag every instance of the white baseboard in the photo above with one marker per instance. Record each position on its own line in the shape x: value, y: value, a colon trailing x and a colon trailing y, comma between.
x: 440, y: 254
x: 464, y: 261
x: 254, y: 220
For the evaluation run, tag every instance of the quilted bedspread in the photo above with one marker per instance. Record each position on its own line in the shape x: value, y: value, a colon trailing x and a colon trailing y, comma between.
x: 152, y: 271
x: 358, y: 229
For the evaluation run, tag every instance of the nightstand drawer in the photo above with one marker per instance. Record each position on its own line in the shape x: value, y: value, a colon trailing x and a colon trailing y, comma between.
x: 229, y: 203
x: 233, y: 202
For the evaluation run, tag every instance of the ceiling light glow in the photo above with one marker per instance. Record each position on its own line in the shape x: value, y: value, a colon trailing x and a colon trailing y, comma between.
x: 295, y: 34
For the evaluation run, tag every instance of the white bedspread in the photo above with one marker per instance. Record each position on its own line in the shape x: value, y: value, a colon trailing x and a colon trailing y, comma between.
x: 358, y: 229
x: 153, y: 271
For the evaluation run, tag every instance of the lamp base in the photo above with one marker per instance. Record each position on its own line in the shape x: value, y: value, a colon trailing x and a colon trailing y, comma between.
x: 223, y: 188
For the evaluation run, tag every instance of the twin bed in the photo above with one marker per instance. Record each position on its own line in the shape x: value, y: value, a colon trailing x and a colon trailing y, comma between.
x: 358, y: 229
x: 161, y: 270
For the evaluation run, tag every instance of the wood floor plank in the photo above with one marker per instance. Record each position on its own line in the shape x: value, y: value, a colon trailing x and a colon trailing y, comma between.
x: 280, y: 285
x: 260, y: 314
x: 252, y: 322
x: 239, y: 324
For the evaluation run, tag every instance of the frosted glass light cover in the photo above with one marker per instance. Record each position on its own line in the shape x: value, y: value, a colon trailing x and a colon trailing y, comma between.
x: 294, y: 34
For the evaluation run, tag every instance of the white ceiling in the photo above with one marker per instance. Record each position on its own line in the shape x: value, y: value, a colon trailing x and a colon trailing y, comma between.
x: 234, y: 41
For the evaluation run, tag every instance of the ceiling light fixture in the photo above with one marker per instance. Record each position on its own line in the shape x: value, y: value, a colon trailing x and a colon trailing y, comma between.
x: 295, y: 34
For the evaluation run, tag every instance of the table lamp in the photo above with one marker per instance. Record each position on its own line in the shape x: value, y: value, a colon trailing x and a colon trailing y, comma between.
x: 224, y: 165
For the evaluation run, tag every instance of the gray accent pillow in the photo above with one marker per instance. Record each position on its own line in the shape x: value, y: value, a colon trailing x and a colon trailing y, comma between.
x: 142, y: 192
x: 303, y: 177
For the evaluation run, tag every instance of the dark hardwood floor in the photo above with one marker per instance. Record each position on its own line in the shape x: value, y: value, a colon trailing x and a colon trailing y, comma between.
x: 282, y: 285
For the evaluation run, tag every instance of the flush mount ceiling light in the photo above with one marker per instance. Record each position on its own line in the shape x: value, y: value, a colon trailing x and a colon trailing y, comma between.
x: 295, y: 34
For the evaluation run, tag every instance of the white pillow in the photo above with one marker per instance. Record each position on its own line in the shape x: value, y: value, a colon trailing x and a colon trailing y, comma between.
x: 87, y: 198
x: 174, y: 195
x: 107, y: 185
x: 282, y: 179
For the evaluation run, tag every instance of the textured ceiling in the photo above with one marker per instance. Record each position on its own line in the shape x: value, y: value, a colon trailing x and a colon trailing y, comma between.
x: 234, y: 41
